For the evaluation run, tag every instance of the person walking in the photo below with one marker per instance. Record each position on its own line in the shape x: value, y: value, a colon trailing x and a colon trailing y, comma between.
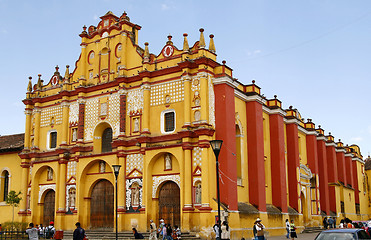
x: 50, y: 230
x: 325, y: 223
x: 293, y: 230
x: 226, y: 235
x: 216, y: 230
x: 330, y: 222
x: 287, y: 229
x: 259, y: 229
x: 41, y: 231
x: 79, y: 232
x: 152, y: 230
x: 32, y: 232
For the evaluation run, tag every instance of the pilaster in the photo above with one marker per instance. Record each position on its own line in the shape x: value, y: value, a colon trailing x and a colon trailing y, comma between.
x: 323, y: 174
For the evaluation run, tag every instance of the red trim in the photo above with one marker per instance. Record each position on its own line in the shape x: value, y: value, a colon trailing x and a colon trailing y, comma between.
x: 167, y: 174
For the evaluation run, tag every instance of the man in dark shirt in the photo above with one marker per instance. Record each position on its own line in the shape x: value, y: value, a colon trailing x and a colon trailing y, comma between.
x: 79, y: 232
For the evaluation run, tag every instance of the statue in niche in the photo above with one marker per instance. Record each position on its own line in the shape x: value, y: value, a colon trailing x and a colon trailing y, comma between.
x: 102, y: 167
x: 168, y: 162
x: 136, y: 124
x: 135, y: 195
x: 198, y: 192
x: 50, y: 173
x: 72, y: 197
x: 74, y: 134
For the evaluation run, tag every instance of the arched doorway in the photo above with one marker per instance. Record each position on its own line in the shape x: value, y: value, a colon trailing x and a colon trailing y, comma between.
x: 169, y: 203
x: 49, y: 207
x: 102, y: 206
x: 304, y: 207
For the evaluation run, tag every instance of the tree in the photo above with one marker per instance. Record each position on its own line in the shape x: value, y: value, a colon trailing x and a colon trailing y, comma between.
x: 13, y: 199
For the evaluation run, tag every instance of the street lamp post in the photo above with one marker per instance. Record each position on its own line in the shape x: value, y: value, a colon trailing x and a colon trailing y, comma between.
x: 216, y: 146
x: 116, y: 169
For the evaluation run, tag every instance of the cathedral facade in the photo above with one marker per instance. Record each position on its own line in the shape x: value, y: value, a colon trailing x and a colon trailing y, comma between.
x: 155, y: 114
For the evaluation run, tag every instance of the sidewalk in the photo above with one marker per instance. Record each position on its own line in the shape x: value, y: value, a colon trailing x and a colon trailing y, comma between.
x: 302, y: 236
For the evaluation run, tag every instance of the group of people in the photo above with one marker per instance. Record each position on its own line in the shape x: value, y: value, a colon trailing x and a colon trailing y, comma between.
x: 291, y: 229
x: 225, y: 231
x: 329, y: 222
x: 38, y: 231
x: 164, y: 231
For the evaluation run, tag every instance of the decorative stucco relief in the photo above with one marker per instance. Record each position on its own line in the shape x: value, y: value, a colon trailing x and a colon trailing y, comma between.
x: 129, y: 183
x: 43, y: 188
x: 134, y: 161
x: 74, y: 113
x: 174, y: 90
x: 211, y: 101
x: 51, y: 112
x: 135, y: 100
x: 157, y: 180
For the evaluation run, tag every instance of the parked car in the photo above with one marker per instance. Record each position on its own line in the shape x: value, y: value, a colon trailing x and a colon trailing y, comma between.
x: 343, y: 234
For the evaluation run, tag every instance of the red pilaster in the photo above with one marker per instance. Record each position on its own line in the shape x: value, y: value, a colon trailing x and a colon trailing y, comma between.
x: 278, y: 165
x: 312, y: 156
x: 340, y: 159
x: 332, y: 173
x: 255, y: 149
x: 122, y: 113
x: 80, y: 127
x: 226, y: 130
x: 349, y: 169
x: 323, y: 177
x: 293, y: 163
x: 355, y: 181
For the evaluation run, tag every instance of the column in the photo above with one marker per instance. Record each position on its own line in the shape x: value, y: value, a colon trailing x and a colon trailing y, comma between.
x: 340, y: 160
x: 37, y: 111
x: 188, y: 178
x: 65, y: 122
x: 225, y: 129
x: 349, y: 169
x: 205, y: 178
x: 332, y: 173
x: 24, y: 186
x: 146, y: 106
x: 187, y: 100
x: 204, y: 97
x: 323, y: 177
x: 27, y: 133
x: 278, y: 163
x: 355, y: 180
x: 255, y: 149
x: 293, y: 162
x: 121, y: 187
x: 80, y: 126
x: 312, y: 158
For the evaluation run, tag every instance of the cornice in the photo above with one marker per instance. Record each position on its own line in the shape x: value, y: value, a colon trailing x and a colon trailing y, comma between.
x: 252, y: 98
x: 292, y: 121
x: 330, y: 144
x: 274, y: 111
x: 340, y: 150
x: 348, y: 155
x: 358, y: 159
x: 225, y: 80
x: 323, y: 138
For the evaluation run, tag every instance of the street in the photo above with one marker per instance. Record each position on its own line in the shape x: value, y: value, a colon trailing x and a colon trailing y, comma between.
x: 303, y: 236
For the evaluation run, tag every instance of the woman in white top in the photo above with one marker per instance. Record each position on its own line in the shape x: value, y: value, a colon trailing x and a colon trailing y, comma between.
x: 226, y: 235
x: 260, y: 229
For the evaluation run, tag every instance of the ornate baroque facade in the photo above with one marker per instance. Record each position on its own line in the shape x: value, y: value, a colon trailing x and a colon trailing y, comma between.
x: 154, y: 114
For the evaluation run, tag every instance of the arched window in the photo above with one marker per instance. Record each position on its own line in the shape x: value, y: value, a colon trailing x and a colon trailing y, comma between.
x: 4, y: 185
x: 107, y: 140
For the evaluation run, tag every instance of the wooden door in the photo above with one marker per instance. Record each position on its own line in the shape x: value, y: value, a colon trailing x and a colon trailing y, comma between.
x: 169, y: 203
x: 49, y: 207
x: 102, y: 205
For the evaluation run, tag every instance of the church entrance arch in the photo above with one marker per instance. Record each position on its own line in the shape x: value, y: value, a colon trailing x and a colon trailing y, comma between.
x: 102, y: 205
x: 49, y: 207
x: 169, y: 203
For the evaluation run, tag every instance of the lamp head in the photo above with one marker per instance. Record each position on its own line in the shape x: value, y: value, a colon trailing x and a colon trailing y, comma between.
x: 116, y: 169
x: 216, y: 145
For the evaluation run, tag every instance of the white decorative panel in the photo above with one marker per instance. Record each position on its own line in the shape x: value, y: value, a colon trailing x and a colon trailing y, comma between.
x: 48, y: 113
x: 135, y: 100
x: 74, y: 113
x: 92, y: 118
x: 157, y: 180
x: 196, y: 179
x: 174, y: 89
x: 197, y: 151
x: 43, y: 188
x: 71, y: 169
x: 134, y: 161
x: 211, y: 102
x: 68, y: 196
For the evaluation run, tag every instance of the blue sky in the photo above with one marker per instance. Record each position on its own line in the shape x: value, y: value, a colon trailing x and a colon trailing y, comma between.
x: 314, y: 55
